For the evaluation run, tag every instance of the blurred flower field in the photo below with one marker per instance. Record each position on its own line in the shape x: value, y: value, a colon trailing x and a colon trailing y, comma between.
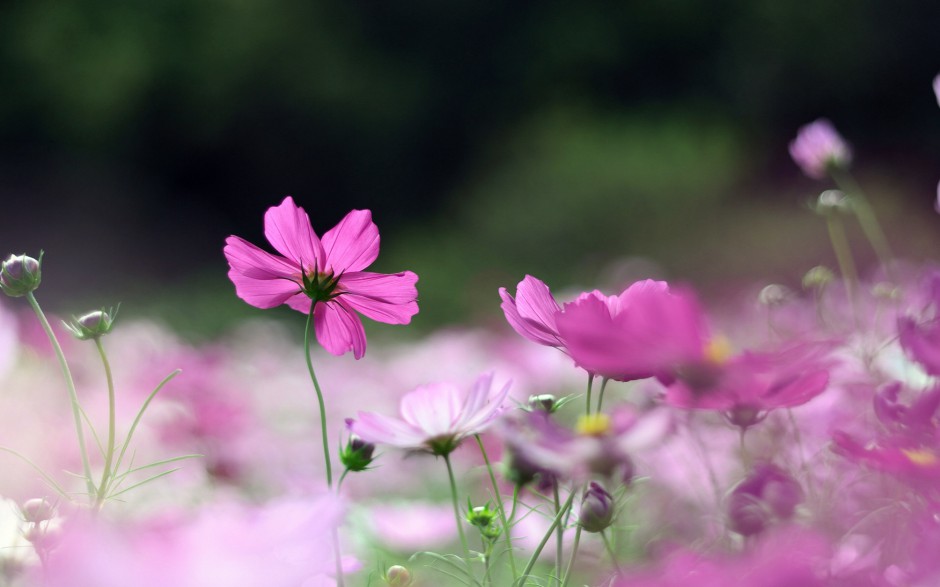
x: 781, y: 436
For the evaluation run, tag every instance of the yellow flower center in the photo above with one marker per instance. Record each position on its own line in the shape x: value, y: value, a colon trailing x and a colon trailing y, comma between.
x: 718, y: 350
x: 920, y: 456
x: 593, y: 424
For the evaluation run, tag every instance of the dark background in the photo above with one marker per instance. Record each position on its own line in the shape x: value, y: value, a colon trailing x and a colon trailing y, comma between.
x: 490, y: 139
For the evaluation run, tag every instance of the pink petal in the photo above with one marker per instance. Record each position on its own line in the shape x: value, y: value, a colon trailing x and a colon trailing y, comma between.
x: 339, y: 330
x: 532, y: 312
x: 261, y: 279
x: 481, y: 419
x: 353, y: 244
x: 287, y: 228
x: 380, y: 429
x: 432, y: 408
x: 384, y: 298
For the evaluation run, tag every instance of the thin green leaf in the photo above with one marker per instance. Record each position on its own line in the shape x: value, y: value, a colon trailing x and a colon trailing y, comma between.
x: 140, y: 414
x: 157, y: 464
x: 94, y: 434
x: 144, y: 482
x: 39, y: 470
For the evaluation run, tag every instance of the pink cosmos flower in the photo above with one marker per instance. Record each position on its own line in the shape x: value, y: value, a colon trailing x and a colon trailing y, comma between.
x: 648, y: 330
x: 326, y: 275
x: 817, y: 147
x: 920, y: 339
x: 747, y: 386
x: 434, y: 417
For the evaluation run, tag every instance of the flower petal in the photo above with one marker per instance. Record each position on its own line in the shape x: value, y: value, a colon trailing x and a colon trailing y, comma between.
x: 287, y: 228
x: 261, y: 279
x: 388, y: 298
x: 353, y: 244
x: 377, y: 428
x: 532, y: 312
x: 339, y: 330
x: 432, y: 408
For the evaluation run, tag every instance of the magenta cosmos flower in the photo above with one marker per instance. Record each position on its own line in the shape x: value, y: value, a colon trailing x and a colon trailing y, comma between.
x: 435, y: 418
x: 817, y: 147
x: 324, y: 274
x: 648, y: 330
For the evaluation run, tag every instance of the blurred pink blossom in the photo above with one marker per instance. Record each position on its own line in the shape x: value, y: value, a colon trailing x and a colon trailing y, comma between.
x: 328, y: 272
x: 817, y: 147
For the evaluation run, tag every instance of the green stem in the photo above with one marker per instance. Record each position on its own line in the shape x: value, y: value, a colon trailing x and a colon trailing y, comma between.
x: 515, y: 502
x: 574, y: 553
x: 487, y: 580
x: 866, y: 219
x: 745, y: 456
x: 109, y: 452
x: 316, y: 386
x: 544, y: 541
x: 610, y: 551
x: 590, y: 384
x: 339, y: 484
x: 502, y: 508
x: 600, y: 396
x: 73, y: 396
x: 453, y: 495
x: 559, y: 534
x: 843, y: 251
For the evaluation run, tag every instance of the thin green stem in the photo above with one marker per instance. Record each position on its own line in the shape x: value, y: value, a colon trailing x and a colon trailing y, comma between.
x: 574, y: 553
x: 487, y: 580
x: 745, y: 456
x: 515, y: 502
x: 600, y: 396
x: 590, y: 384
x: 548, y: 534
x: 843, y: 251
x: 70, y: 383
x: 866, y: 219
x: 610, y: 551
x: 559, y: 534
x: 339, y: 483
x: 109, y: 451
x: 316, y: 386
x: 453, y: 495
x: 502, y: 508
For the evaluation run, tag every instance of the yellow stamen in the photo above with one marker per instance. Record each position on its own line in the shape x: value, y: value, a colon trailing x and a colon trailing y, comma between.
x: 920, y: 456
x: 593, y: 424
x: 718, y: 350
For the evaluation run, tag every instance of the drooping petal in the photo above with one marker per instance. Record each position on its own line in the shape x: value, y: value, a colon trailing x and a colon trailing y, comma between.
x: 261, y: 279
x: 388, y: 298
x: 353, y: 244
x: 532, y: 312
x: 380, y: 429
x: 432, y: 408
x: 287, y: 227
x: 338, y: 329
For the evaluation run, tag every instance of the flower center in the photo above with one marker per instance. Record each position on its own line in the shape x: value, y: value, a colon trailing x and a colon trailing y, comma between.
x: 320, y: 287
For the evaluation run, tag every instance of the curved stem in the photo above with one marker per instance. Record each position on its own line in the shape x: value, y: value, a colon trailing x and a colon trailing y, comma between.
x: 610, y: 551
x: 548, y: 535
x: 453, y: 495
x: 574, y: 553
x: 843, y: 251
x: 339, y: 483
x: 316, y: 386
x: 866, y: 219
x: 600, y: 396
x: 109, y: 451
x: 73, y: 396
x: 590, y: 384
x: 502, y: 508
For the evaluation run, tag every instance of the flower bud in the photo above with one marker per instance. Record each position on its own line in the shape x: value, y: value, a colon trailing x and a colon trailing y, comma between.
x: 37, y: 510
x: 597, y: 509
x: 93, y: 324
x: 773, y: 295
x: 833, y: 201
x: 398, y: 576
x: 545, y: 401
x: 818, y: 147
x: 480, y: 516
x: 20, y: 275
x: 768, y: 493
x: 818, y: 277
x: 357, y: 454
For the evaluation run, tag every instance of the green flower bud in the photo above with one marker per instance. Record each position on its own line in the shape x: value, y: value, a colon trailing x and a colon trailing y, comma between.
x: 20, y: 275
x: 480, y: 516
x: 545, y: 401
x: 773, y: 295
x: 398, y: 576
x: 93, y: 324
x: 357, y: 455
x: 818, y: 277
x: 832, y: 202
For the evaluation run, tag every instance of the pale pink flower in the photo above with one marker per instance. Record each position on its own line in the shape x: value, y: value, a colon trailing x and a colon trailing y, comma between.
x: 817, y: 147
x: 327, y: 272
x: 435, y: 418
x: 532, y: 312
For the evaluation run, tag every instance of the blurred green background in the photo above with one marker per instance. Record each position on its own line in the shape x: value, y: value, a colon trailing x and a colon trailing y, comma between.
x: 584, y: 143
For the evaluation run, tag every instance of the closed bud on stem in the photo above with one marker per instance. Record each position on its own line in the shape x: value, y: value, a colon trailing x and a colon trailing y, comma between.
x: 597, y: 509
x: 357, y: 455
x: 773, y: 295
x: 93, y: 324
x: 832, y: 202
x: 545, y: 401
x: 20, y: 275
x: 767, y: 494
x: 37, y: 510
x: 818, y: 277
x: 398, y: 576
x: 484, y: 518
